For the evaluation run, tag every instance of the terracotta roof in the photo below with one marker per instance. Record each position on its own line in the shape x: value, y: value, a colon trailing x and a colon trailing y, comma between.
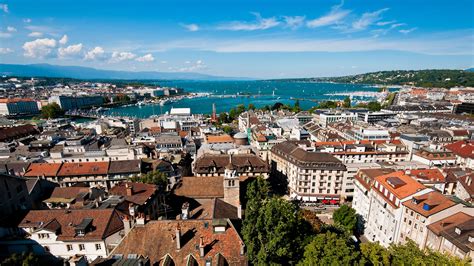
x: 125, y: 167
x: 241, y: 162
x: 219, y: 139
x: 223, y: 209
x: 201, y: 187
x: 157, y: 239
x: 40, y: 169
x: 400, y: 184
x: 432, y: 175
x: 462, y: 148
x: 460, y: 132
x: 448, y: 226
x: 16, y: 100
x: 467, y: 181
x: 69, y: 192
x: 105, y: 222
x: 366, y: 177
x: 140, y: 192
x: 87, y: 168
x: 429, y: 203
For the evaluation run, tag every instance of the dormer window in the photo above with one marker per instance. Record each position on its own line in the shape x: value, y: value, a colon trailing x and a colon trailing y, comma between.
x: 457, y: 230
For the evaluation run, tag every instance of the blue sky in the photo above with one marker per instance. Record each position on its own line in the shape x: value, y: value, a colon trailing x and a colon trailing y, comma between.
x: 262, y: 39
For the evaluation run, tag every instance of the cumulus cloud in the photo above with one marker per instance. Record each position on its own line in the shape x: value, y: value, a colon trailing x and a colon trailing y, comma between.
x: 191, y: 66
x: 122, y: 56
x: 63, y: 40
x: 294, y: 22
x: 96, y: 53
x: 335, y: 16
x: 190, y: 27
x: 11, y: 29
x: 35, y: 34
x: 4, y: 8
x: 146, y: 58
x: 39, y: 48
x: 5, y: 50
x: 368, y: 19
x: 260, y: 23
x: 70, y: 50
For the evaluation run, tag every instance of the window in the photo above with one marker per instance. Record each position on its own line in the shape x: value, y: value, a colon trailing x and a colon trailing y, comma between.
x: 82, y: 247
x: 98, y: 246
x: 69, y: 247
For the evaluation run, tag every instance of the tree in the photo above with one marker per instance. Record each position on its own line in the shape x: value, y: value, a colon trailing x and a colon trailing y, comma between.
x: 23, y: 259
x: 374, y: 254
x: 121, y: 98
x: 330, y: 249
x: 227, y: 129
x: 347, y: 102
x: 251, y: 106
x: 327, y: 105
x: 155, y: 177
x: 374, y: 106
x: 52, y: 110
x: 240, y: 109
x: 277, y: 106
x: 296, y: 107
x: 223, y: 118
x: 346, y: 217
x: 312, y: 219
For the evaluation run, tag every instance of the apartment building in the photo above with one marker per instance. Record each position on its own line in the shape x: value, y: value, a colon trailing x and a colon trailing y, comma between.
x: 245, y: 165
x: 311, y: 176
x: 18, y: 106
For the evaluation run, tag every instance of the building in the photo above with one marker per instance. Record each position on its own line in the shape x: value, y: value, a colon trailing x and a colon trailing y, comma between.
x: 453, y: 235
x: 169, y: 143
x: 387, y: 195
x: 311, y: 176
x: 18, y: 106
x: 248, y: 165
x: 89, y: 232
x: 76, y: 102
x: 329, y: 117
x: 432, y: 157
x: 374, y: 117
x: 464, y: 152
x: 14, y: 200
x: 465, y: 187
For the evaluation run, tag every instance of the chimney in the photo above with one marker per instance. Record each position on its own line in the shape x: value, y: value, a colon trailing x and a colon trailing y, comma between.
x: 242, y: 248
x: 178, y: 237
x: 126, y: 225
x: 129, y: 189
x: 239, y: 211
x: 185, y: 211
x: 469, y: 180
x: 201, y: 247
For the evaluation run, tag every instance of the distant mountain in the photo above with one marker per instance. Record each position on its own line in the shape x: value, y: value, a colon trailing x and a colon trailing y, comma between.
x: 469, y: 69
x: 77, y: 72
x: 421, y: 78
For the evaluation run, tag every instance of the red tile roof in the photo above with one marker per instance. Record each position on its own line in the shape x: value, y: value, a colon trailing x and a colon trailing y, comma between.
x: 219, y: 139
x: 40, y: 169
x: 140, y: 192
x: 157, y: 239
x: 462, y: 148
x: 105, y: 223
x: 87, y: 168
x: 429, y: 203
x: 408, y: 185
x: 201, y: 187
x: 16, y: 100
x: 432, y: 175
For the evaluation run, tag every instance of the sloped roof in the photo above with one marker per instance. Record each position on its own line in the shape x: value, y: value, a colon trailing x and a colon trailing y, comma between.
x: 140, y: 192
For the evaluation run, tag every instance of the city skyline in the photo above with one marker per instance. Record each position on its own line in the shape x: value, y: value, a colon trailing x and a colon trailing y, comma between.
x: 242, y: 39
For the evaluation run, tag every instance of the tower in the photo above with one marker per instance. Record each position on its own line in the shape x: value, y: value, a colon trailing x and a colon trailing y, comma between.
x: 214, y: 114
x: 231, y: 185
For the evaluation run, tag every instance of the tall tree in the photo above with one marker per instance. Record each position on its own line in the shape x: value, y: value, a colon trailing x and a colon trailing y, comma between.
x: 374, y: 254
x: 154, y: 177
x: 52, y: 110
x: 251, y: 106
x: 347, y: 102
x: 330, y: 249
x: 346, y: 217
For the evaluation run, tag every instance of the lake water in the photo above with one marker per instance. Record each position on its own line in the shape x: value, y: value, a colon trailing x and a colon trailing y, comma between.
x: 259, y: 93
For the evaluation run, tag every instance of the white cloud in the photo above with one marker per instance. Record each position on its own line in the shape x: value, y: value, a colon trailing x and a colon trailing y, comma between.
x: 122, y: 56
x: 11, y: 29
x: 39, y: 48
x: 35, y: 34
x: 27, y: 20
x: 5, y: 50
x: 259, y: 24
x: 190, y: 27
x: 294, y: 22
x: 368, y: 19
x: 383, y: 23
x: 5, y: 34
x: 4, y: 8
x: 146, y: 58
x: 71, y: 50
x: 95, y: 53
x: 190, y: 67
x: 335, y: 16
x: 63, y: 40
x: 164, y: 62
x: 407, y: 31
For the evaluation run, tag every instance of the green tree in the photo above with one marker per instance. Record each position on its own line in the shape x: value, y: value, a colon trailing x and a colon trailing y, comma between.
x: 374, y: 254
x: 296, y: 108
x: 346, y: 217
x: 233, y: 114
x: 312, y: 219
x: 154, y: 177
x: 374, y: 106
x: 347, y: 102
x: 227, y: 129
x: 330, y: 249
x: 277, y: 106
x: 23, y: 259
x: 52, y: 110
x: 251, y: 106
x: 223, y: 118
x: 240, y: 109
x: 327, y: 105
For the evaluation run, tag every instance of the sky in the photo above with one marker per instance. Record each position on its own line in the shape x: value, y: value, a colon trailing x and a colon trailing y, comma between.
x: 246, y: 38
